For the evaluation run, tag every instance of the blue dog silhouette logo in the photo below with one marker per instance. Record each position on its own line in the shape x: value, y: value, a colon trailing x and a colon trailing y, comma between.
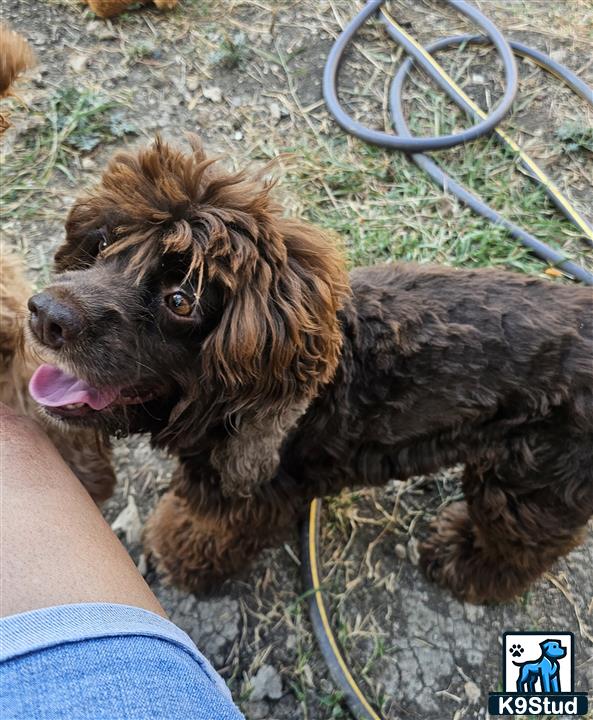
x: 545, y: 670
x: 538, y: 676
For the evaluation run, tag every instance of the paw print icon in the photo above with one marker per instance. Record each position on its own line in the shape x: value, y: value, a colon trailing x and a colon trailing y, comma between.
x: 516, y: 650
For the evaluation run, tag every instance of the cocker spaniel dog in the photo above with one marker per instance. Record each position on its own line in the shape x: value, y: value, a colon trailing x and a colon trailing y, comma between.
x: 187, y: 306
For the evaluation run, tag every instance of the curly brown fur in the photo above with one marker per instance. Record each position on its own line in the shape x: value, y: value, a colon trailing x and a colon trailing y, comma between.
x: 85, y: 451
x: 15, y: 57
x: 109, y: 8
x: 275, y: 378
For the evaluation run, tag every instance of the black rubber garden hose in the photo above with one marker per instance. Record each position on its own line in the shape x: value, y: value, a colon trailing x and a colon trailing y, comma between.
x: 405, y: 142
x: 353, y: 695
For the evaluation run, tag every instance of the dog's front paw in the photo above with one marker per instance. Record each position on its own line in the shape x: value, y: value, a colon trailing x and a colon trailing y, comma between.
x: 474, y: 573
x: 180, y: 547
x: 445, y: 554
x: 193, y: 552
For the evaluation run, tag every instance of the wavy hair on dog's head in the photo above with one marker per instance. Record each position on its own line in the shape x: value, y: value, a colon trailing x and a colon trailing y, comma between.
x: 283, y: 282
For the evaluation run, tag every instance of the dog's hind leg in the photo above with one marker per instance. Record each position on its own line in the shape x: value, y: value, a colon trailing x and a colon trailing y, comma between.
x: 199, y: 539
x: 520, y: 516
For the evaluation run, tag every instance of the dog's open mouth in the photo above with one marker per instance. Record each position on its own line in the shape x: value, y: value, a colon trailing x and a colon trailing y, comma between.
x: 66, y: 395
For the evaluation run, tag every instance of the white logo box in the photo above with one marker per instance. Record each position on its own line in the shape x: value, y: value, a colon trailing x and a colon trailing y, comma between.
x: 529, y: 642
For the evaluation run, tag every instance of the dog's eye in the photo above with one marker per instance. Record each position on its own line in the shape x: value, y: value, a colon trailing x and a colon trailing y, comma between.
x: 104, y: 240
x: 179, y: 303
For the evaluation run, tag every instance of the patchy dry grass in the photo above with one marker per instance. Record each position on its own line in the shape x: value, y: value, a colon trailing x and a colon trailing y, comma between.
x: 72, y: 123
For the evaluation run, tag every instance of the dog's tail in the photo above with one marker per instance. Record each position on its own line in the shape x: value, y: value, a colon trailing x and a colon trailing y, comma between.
x: 15, y: 57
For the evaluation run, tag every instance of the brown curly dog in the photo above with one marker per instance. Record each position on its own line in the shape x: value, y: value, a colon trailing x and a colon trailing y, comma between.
x: 185, y: 305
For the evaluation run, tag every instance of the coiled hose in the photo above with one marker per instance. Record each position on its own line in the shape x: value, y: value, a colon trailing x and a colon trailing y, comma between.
x: 486, y: 123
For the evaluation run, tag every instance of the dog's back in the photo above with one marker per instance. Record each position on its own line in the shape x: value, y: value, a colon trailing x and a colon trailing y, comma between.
x: 437, y: 364
x: 481, y: 338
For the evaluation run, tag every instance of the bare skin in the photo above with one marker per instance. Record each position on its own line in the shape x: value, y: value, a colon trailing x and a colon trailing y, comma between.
x: 55, y: 547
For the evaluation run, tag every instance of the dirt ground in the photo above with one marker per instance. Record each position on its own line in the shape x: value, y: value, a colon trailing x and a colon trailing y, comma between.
x: 246, y: 77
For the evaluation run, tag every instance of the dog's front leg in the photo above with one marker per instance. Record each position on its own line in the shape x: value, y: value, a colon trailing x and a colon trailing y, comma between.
x: 198, y: 537
x: 249, y: 457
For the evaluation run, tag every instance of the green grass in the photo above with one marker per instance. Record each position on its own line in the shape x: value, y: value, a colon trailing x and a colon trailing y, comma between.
x: 231, y: 53
x: 73, y: 122
x: 140, y: 51
x: 576, y: 135
x: 385, y: 208
x: 333, y: 704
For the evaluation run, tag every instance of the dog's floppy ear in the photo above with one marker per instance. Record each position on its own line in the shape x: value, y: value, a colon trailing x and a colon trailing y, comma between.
x: 279, y: 334
x: 278, y: 340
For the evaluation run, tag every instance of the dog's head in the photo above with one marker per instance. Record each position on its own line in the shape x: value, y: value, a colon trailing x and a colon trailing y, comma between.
x: 182, y: 297
x: 552, y: 649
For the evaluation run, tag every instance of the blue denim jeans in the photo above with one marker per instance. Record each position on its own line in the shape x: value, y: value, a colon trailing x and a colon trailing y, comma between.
x: 100, y: 661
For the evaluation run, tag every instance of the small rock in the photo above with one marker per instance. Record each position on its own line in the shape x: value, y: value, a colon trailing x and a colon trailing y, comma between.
x: 37, y: 38
x: 128, y: 521
x: 308, y: 675
x: 413, y: 551
x: 472, y: 692
x: 275, y: 111
x: 78, y: 62
x: 326, y: 686
x: 87, y: 163
x: 142, y: 565
x: 238, y: 135
x: 558, y: 55
x: 256, y: 710
x: 101, y: 30
x: 478, y: 79
x: 212, y: 93
x: 192, y: 82
x: 446, y: 206
x: 400, y: 551
x: 267, y: 683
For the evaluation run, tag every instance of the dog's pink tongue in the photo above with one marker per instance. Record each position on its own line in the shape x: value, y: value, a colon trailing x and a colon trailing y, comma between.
x: 53, y: 387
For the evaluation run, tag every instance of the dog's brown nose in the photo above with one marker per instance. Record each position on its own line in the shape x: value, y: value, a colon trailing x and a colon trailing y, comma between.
x: 54, y: 322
